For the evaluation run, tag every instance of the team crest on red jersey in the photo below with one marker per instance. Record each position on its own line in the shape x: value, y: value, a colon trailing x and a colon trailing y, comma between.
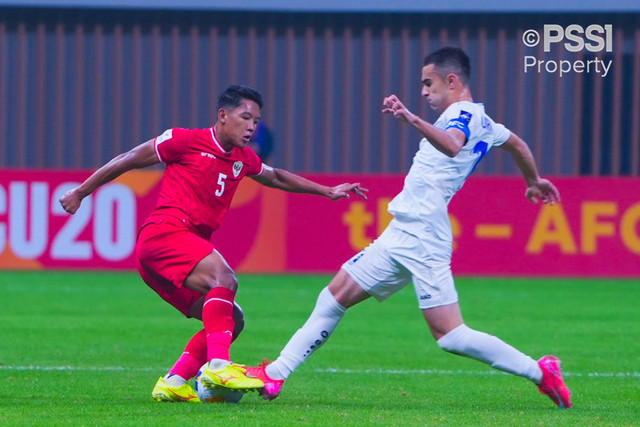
x: 237, y: 168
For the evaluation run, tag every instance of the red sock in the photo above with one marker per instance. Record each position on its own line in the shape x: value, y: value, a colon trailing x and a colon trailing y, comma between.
x: 194, y: 356
x: 217, y: 316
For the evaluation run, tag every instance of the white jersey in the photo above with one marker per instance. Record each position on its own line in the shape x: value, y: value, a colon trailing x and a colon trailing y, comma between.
x: 435, y: 177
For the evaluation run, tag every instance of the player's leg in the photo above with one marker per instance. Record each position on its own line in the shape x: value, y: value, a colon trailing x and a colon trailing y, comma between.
x: 447, y: 326
x: 195, y: 353
x: 428, y: 260
x: 213, y: 277
x: 173, y: 387
x: 369, y: 273
x: 178, y: 265
x: 331, y: 305
x: 489, y: 349
x: 238, y: 316
x: 454, y: 336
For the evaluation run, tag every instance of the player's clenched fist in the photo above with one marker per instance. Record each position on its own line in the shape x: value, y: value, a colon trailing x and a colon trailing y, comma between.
x: 70, y: 201
x: 392, y: 105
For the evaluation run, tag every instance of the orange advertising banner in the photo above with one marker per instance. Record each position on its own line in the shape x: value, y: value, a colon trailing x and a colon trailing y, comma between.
x: 595, y: 231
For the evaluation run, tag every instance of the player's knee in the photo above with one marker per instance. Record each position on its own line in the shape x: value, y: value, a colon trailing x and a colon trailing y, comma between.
x: 455, y: 340
x: 227, y: 280
x: 238, y: 318
x: 204, y: 281
x: 447, y: 346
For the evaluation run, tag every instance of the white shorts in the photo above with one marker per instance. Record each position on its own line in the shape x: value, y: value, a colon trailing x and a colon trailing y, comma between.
x: 397, y: 258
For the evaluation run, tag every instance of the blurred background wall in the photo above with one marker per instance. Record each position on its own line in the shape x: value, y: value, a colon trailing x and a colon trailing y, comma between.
x: 79, y: 85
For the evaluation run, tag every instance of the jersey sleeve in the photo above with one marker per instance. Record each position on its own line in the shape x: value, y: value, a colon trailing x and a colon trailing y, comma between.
x: 172, y: 144
x: 459, y: 119
x: 500, y: 134
x: 255, y: 164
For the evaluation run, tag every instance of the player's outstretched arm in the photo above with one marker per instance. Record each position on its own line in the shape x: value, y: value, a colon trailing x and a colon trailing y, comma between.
x: 538, y: 189
x: 288, y: 181
x: 449, y: 142
x: 138, y: 157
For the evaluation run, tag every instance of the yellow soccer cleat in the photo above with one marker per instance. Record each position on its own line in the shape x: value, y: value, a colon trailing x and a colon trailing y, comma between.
x: 163, y: 392
x: 232, y: 376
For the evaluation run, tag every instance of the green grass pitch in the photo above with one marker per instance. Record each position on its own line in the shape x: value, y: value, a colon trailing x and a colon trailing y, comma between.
x: 86, y: 349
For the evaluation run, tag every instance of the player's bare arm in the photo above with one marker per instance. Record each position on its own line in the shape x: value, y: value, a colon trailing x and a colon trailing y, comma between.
x: 288, y: 181
x: 138, y: 157
x: 448, y: 142
x: 538, y: 189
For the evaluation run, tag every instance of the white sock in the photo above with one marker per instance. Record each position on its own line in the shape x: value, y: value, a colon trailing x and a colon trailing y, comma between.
x: 173, y: 380
x: 316, y: 331
x: 491, y: 350
x: 218, y: 364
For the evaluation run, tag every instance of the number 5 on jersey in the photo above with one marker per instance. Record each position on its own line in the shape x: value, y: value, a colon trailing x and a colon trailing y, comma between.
x: 220, y: 189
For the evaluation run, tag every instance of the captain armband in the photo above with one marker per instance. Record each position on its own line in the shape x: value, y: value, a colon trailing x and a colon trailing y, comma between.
x: 459, y: 124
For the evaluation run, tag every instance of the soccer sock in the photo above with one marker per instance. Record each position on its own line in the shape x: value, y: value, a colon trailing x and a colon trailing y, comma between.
x: 174, y: 380
x: 194, y: 356
x: 491, y: 350
x: 321, y: 323
x: 217, y: 316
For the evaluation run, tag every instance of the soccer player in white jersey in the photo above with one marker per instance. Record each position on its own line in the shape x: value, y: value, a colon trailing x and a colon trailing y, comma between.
x: 416, y: 246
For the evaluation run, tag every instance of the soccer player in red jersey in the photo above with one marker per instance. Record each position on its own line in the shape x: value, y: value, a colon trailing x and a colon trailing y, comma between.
x: 173, y: 251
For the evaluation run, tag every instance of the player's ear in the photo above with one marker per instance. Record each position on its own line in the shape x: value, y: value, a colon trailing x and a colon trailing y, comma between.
x: 222, y: 115
x: 452, y: 79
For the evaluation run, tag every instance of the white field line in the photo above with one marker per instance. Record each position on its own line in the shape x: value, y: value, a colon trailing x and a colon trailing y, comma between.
x: 323, y: 371
x: 77, y: 368
x: 470, y: 373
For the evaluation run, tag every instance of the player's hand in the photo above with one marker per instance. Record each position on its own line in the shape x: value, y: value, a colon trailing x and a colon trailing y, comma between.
x: 393, y: 105
x: 71, y: 200
x: 344, y: 191
x: 543, y: 191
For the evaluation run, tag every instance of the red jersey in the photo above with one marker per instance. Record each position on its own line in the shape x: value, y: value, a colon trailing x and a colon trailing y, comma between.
x: 200, y: 178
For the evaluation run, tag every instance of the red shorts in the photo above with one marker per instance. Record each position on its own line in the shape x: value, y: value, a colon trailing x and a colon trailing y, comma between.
x: 166, y: 252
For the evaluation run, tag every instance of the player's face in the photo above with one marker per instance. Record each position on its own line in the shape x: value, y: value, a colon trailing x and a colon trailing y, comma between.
x: 435, y: 88
x: 238, y: 125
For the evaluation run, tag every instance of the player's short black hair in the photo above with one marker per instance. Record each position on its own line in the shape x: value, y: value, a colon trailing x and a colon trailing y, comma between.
x: 450, y: 60
x: 232, y: 97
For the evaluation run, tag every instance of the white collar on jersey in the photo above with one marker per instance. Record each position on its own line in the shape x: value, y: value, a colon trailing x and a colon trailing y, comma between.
x: 215, y: 141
